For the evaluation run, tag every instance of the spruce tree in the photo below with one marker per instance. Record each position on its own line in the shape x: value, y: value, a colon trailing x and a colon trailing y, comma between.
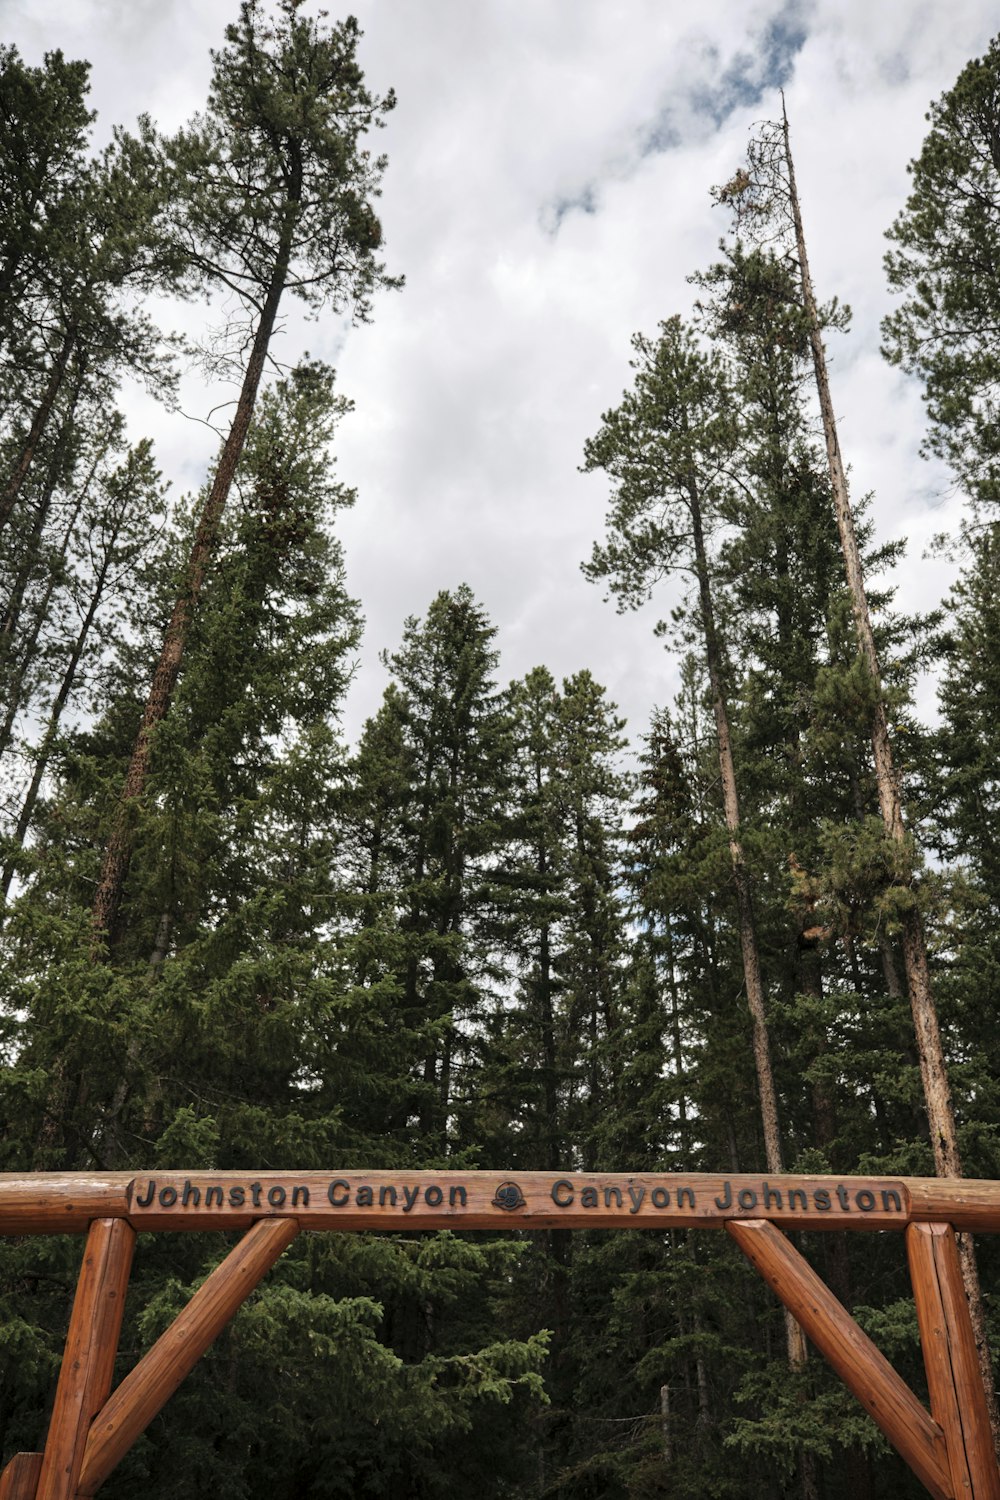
x: 434, y: 845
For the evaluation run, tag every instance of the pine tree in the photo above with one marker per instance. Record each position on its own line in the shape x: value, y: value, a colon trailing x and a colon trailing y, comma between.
x: 42, y: 141
x: 106, y: 245
x: 966, y: 747
x: 111, y: 525
x: 666, y: 449
x: 766, y: 197
x: 280, y: 146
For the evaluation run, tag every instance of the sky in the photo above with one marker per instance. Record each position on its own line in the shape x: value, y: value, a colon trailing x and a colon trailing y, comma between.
x: 547, y: 196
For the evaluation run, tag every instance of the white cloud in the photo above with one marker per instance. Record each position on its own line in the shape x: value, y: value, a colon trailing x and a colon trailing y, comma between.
x: 547, y: 195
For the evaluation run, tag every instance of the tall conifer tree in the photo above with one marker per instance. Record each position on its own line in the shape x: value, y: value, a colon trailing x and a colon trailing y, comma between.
x: 280, y: 147
x: 765, y: 199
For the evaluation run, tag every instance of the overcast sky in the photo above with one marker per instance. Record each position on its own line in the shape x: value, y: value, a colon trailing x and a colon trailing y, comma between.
x: 547, y: 196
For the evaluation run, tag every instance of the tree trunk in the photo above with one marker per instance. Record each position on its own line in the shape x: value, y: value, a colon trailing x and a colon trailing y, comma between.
x: 668, y: 1452
x: 741, y: 875
x: 118, y: 850
x: 27, y: 650
x: 678, y: 1045
x: 933, y: 1069
x: 753, y: 978
x: 55, y: 714
x: 550, y: 1097
x: 40, y: 421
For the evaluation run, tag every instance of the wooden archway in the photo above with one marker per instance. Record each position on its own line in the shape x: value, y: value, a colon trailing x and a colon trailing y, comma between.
x: 949, y: 1448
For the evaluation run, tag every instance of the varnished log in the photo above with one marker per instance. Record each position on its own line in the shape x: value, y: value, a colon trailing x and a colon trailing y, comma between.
x: 147, y: 1388
x: 962, y: 1202
x: 958, y: 1403
x: 56, y: 1203
x: 864, y: 1370
x: 61, y: 1202
x: 19, y: 1480
x: 88, y: 1363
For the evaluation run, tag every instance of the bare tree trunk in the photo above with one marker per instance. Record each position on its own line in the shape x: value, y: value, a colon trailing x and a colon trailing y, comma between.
x: 741, y: 875
x: 668, y: 1452
x: 550, y: 1092
x: 933, y: 1069
x: 678, y: 1046
x: 753, y: 977
x: 118, y: 850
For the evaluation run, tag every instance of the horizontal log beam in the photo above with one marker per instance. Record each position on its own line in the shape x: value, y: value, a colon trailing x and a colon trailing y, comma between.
x: 966, y: 1203
x: 61, y: 1202
x: 54, y: 1203
x: 865, y: 1371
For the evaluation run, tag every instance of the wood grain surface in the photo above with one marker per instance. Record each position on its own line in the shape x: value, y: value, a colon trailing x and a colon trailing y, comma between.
x: 864, y: 1370
x: 19, y: 1480
x: 56, y: 1203
x: 958, y: 1403
x: 152, y: 1382
x: 88, y: 1363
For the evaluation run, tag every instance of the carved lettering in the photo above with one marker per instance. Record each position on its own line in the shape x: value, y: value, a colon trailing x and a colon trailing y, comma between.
x: 606, y: 1199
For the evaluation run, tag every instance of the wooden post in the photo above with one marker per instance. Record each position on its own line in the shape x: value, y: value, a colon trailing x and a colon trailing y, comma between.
x: 958, y: 1402
x: 19, y: 1480
x: 147, y: 1388
x: 863, y: 1369
x: 88, y: 1363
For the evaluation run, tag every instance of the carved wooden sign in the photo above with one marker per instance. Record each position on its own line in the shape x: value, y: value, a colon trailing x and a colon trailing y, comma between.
x: 532, y: 1200
x: 53, y: 1202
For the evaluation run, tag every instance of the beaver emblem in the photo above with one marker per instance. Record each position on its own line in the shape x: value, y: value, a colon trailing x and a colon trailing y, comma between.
x: 508, y: 1196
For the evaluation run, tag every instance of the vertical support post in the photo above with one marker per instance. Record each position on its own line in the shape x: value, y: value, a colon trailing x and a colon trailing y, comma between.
x: 152, y: 1382
x: 88, y: 1363
x: 864, y: 1370
x: 958, y: 1401
x: 19, y: 1480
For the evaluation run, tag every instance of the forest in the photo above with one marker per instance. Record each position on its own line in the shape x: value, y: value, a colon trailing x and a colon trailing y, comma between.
x: 483, y: 936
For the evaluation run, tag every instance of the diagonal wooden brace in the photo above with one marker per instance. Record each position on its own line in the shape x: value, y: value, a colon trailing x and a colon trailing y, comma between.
x: 958, y: 1402
x: 147, y: 1388
x: 88, y: 1363
x: 864, y: 1370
